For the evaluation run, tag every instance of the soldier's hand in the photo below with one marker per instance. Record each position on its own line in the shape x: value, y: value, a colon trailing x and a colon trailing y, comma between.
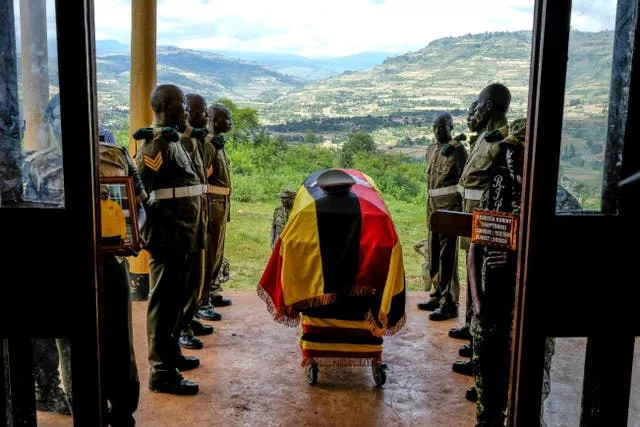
x: 461, y: 137
x: 496, y: 258
x: 447, y: 149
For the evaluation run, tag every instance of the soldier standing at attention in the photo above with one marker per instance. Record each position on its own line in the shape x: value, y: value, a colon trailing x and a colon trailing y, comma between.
x: 492, y: 278
x: 197, y: 109
x: 445, y: 161
x: 491, y: 123
x: 218, y: 198
x: 462, y: 332
x: 174, y: 235
x: 281, y: 213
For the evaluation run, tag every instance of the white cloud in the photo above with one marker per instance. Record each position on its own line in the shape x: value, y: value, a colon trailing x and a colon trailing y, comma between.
x: 331, y: 27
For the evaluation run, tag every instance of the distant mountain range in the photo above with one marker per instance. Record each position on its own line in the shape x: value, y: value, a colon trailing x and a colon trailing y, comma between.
x: 446, y: 74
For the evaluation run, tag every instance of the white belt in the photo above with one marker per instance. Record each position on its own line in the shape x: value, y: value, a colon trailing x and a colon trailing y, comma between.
x: 443, y: 191
x: 177, y: 192
x: 222, y: 191
x: 473, y: 194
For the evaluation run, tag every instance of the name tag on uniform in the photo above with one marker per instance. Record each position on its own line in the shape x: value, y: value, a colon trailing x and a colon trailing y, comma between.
x: 493, y: 228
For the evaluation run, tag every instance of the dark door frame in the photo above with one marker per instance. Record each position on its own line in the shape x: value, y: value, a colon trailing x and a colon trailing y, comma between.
x: 574, y: 272
x: 50, y: 268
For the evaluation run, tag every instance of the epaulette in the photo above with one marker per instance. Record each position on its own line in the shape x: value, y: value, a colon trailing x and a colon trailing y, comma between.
x: 497, y: 135
x: 513, y: 140
x: 455, y: 143
x: 168, y: 133
x: 199, y: 133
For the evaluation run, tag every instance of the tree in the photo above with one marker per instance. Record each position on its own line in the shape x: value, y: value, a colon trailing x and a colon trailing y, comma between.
x: 311, y: 138
x: 246, y: 123
x: 357, y: 142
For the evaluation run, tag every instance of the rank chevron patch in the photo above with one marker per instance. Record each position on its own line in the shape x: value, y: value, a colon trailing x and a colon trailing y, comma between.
x: 153, y: 163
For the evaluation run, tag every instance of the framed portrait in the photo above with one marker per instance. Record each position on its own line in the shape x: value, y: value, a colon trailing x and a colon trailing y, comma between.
x: 118, y: 214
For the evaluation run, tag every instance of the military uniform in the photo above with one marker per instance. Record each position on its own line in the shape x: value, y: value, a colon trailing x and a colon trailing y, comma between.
x: 49, y: 394
x: 224, y: 275
x: 174, y: 233
x: 195, y: 149
x: 421, y: 248
x: 44, y: 176
x: 280, y: 216
x: 122, y: 386
x: 218, y: 200
x: 43, y: 182
x: 445, y: 162
x: 491, y: 330
x: 475, y: 178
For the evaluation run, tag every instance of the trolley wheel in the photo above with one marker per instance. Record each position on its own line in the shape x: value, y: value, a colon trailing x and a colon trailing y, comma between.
x: 312, y: 373
x: 379, y: 374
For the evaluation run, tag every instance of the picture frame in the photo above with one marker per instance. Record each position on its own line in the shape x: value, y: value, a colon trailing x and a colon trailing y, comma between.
x: 118, y: 215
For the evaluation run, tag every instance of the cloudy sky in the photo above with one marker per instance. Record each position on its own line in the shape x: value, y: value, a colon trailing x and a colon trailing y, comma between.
x: 330, y: 28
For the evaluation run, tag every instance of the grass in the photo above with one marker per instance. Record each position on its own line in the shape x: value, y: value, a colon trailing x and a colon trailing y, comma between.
x: 247, y: 245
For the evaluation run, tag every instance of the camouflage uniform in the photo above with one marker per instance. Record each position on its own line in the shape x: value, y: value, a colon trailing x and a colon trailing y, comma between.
x: 491, y: 331
x: 224, y: 274
x: 174, y: 233
x: 43, y: 183
x: 421, y: 248
x: 49, y: 395
x: 280, y: 216
x: 44, y: 177
x: 218, y: 199
x: 475, y: 178
x: 445, y: 163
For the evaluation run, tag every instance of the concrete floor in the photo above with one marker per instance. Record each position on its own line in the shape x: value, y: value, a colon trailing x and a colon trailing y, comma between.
x: 250, y: 375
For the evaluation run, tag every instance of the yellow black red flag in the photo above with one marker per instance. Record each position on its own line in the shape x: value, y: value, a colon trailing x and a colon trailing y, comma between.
x: 337, y: 246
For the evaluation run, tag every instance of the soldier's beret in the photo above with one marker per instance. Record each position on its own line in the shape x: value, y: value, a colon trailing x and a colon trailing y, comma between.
x: 287, y: 193
x: 518, y: 128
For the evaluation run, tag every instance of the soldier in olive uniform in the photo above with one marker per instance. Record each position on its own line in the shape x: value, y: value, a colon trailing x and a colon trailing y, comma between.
x: 445, y: 161
x: 197, y: 109
x: 463, y: 332
x: 492, y: 278
x: 281, y: 214
x: 174, y: 233
x: 490, y: 115
x: 44, y: 183
x: 218, y: 197
x: 472, y: 123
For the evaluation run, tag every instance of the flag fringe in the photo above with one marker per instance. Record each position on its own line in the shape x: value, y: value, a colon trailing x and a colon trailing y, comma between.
x: 290, y: 316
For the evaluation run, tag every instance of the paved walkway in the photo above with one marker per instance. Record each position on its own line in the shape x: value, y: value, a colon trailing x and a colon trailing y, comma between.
x: 250, y: 375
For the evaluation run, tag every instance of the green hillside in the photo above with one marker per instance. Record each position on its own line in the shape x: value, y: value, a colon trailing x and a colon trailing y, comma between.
x: 448, y: 74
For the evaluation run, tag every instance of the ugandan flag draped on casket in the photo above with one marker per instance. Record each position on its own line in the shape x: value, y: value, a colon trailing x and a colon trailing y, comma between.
x: 337, y: 246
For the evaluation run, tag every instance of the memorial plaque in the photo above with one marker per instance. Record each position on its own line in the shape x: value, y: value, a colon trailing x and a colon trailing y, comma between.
x: 493, y: 228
